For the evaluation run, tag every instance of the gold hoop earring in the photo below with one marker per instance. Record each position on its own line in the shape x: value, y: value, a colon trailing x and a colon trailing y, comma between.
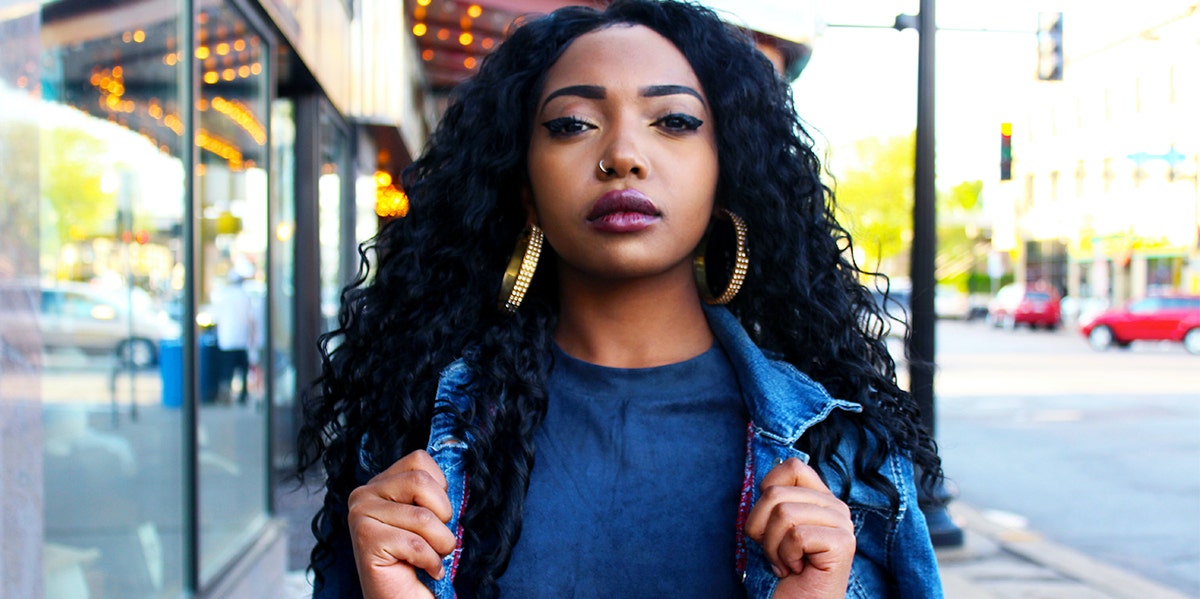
x: 741, y: 264
x: 521, y: 266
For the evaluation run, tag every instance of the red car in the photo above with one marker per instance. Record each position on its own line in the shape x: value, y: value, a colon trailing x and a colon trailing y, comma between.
x: 1036, y: 305
x: 1165, y: 318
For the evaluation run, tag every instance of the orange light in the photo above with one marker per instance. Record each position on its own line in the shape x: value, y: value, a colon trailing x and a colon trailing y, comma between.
x: 466, y: 38
x: 382, y: 179
x: 222, y: 48
x: 420, y: 29
x: 202, y: 52
x: 211, y: 77
x: 118, y: 72
x: 427, y: 55
x: 139, y: 36
x: 229, y: 74
x: 239, y: 45
x: 469, y: 62
x: 423, y: 2
x: 443, y: 34
x: 244, y: 71
x: 488, y: 43
x: 474, y: 11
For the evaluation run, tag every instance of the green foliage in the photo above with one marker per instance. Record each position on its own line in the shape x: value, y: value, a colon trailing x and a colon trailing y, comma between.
x: 72, y: 165
x: 875, y: 199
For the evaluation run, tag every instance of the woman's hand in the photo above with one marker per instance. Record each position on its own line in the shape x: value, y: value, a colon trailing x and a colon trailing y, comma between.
x: 806, y: 532
x: 397, y: 525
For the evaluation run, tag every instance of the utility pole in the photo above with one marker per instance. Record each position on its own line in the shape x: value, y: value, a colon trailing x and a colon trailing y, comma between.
x: 942, y: 530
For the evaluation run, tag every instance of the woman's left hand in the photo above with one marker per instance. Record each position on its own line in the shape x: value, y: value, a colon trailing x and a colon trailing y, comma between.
x: 806, y: 532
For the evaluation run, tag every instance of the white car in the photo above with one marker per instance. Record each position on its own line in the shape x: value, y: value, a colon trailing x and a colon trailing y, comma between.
x: 123, y: 321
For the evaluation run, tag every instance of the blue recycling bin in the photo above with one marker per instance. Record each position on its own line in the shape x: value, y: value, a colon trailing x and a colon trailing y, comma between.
x: 170, y: 367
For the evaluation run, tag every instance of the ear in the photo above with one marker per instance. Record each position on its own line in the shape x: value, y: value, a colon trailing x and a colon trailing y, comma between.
x: 531, y: 215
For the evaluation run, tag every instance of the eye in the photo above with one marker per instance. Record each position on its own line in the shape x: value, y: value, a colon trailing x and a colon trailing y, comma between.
x: 679, y: 122
x: 567, y: 126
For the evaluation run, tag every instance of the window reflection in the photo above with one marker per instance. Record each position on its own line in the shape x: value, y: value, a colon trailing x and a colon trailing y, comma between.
x: 107, y: 294
x: 231, y: 268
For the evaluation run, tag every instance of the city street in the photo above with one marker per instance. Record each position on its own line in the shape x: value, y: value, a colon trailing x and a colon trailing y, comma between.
x: 1097, y: 451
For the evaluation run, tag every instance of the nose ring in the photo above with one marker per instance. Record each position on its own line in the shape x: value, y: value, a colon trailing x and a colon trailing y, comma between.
x: 607, y: 171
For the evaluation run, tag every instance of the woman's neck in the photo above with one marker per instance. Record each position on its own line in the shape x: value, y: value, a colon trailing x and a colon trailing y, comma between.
x: 633, y: 323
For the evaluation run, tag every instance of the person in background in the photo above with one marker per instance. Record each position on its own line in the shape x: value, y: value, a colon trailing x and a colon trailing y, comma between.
x: 674, y: 386
x: 234, y: 314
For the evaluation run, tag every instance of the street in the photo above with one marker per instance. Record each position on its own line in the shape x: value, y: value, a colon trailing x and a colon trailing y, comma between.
x: 1098, y: 451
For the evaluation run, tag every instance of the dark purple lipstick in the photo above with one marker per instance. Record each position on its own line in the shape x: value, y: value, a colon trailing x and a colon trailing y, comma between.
x: 623, y: 211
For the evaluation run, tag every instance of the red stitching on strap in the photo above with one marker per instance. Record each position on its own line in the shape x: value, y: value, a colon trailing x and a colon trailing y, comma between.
x: 744, y: 503
x: 458, y: 547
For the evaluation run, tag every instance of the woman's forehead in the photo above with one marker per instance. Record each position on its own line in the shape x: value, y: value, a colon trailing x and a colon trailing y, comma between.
x: 619, y: 56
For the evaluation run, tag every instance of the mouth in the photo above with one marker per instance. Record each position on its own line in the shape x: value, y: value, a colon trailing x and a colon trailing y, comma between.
x: 623, y: 202
x: 623, y: 211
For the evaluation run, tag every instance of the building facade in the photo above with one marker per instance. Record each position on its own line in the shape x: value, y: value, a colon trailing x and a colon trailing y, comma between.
x: 1105, y: 194
x: 183, y: 187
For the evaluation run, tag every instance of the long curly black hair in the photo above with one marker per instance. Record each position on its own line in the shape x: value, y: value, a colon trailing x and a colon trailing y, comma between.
x: 432, y: 296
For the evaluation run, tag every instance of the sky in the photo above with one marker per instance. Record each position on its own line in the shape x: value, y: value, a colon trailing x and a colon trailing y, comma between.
x: 862, y: 82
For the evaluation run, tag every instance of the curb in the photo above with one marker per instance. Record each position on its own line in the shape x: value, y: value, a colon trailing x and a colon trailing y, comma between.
x: 1020, y: 558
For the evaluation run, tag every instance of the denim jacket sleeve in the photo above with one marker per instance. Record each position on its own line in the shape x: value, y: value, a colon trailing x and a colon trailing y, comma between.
x: 894, y: 557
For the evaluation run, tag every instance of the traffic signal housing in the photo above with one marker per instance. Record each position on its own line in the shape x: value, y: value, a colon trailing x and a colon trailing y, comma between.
x: 1006, y: 151
x: 1050, y: 46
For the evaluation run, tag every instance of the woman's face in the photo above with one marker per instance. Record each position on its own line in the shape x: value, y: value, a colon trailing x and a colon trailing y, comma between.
x: 628, y: 97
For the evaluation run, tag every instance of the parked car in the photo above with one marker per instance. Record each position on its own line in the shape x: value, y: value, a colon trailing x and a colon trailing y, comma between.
x: 97, y: 320
x: 1164, y: 318
x: 951, y: 302
x: 1034, y: 305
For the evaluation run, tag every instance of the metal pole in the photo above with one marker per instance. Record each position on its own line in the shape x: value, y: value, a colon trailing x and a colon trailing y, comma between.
x: 921, y: 342
x: 942, y: 529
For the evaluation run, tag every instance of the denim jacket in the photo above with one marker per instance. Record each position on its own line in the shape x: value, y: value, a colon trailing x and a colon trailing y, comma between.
x: 894, y: 556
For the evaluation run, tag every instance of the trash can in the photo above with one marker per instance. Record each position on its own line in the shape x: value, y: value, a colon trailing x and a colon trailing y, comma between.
x: 210, y: 365
x: 170, y: 367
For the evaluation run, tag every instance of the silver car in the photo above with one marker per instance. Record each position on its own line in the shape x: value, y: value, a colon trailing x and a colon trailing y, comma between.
x: 101, y: 320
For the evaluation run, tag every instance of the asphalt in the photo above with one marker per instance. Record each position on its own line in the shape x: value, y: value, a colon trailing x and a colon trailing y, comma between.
x: 999, y: 559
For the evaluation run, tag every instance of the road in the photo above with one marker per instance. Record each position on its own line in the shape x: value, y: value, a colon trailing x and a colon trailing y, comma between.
x: 1096, y: 451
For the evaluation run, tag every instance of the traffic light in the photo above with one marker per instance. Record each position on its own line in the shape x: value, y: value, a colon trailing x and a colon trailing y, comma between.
x: 1050, y: 47
x: 1006, y: 151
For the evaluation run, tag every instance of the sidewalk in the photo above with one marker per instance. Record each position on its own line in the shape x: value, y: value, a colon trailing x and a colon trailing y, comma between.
x: 995, y: 562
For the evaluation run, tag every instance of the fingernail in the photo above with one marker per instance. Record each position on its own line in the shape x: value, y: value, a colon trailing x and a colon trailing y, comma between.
x: 441, y: 573
x: 779, y: 572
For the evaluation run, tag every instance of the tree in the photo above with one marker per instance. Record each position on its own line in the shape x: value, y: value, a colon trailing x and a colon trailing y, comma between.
x: 72, y: 168
x: 875, y: 202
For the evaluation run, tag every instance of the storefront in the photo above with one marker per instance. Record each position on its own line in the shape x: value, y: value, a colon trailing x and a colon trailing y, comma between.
x: 183, y: 186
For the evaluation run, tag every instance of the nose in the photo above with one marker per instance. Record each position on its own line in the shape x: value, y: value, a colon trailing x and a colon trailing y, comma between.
x: 622, y: 156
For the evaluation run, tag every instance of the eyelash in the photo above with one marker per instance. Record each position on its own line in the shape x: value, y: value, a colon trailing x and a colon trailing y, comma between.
x: 675, y: 122
x: 566, y: 126
x: 679, y: 122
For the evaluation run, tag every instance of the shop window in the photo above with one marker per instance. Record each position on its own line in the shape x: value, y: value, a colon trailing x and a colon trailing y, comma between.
x: 109, y: 281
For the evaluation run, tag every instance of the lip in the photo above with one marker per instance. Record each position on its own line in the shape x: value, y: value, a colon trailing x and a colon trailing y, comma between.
x: 623, y: 211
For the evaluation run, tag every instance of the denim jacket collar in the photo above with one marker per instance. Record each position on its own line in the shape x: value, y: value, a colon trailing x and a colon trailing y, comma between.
x: 771, y: 387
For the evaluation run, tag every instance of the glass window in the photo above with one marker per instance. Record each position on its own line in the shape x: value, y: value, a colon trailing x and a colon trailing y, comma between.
x: 282, y: 280
x: 231, y: 274
x: 109, y: 277
x: 330, y: 188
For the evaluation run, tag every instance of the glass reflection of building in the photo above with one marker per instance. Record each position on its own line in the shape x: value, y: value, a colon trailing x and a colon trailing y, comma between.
x: 158, y: 157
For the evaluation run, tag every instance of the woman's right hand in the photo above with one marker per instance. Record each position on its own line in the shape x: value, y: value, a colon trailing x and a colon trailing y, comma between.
x: 398, y: 525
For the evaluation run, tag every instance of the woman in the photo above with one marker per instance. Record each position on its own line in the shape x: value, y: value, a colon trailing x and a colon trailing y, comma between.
x: 578, y: 423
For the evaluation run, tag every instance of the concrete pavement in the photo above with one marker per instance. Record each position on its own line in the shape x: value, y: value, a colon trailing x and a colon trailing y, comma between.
x: 998, y: 560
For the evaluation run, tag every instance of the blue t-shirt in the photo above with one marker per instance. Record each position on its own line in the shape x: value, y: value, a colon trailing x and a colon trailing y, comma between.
x: 636, y: 484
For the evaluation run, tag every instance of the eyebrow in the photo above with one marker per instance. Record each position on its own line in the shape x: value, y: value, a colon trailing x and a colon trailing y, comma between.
x: 596, y: 92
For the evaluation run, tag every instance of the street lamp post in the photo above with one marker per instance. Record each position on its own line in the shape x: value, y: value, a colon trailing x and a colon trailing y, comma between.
x: 942, y: 529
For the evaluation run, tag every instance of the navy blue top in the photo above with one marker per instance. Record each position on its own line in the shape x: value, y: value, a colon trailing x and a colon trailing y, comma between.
x: 636, y: 484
